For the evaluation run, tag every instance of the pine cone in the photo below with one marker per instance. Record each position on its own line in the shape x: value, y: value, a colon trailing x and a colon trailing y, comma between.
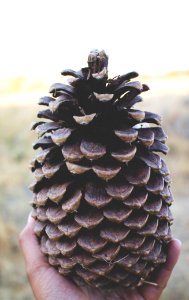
x: 102, y: 194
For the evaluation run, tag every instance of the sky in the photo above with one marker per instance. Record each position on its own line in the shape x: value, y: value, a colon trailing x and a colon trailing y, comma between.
x: 40, y: 38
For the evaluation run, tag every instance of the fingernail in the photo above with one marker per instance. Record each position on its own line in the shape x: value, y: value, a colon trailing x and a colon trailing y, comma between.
x: 29, y: 217
x: 178, y: 242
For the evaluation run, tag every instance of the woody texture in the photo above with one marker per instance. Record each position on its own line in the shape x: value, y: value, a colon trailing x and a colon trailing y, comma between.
x: 101, y: 192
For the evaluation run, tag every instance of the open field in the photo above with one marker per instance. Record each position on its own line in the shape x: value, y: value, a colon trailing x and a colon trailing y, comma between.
x: 169, y: 97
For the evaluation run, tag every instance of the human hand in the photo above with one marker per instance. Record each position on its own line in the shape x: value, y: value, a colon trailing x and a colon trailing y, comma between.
x: 48, y: 284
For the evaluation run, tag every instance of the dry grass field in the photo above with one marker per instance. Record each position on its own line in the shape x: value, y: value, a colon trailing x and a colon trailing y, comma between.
x: 168, y: 96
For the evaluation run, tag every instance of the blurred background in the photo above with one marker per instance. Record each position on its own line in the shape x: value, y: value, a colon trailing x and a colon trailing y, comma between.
x: 38, y: 40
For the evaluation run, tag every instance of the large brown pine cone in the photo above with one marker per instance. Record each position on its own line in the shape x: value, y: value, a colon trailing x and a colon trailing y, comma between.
x: 101, y: 196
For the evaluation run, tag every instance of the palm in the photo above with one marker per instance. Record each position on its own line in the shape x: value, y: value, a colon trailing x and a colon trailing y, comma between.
x: 48, y: 284
x: 59, y: 283
x: 61, y: 288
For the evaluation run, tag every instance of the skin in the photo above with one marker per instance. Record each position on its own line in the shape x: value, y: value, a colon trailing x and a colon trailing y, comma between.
x: 48, y: 284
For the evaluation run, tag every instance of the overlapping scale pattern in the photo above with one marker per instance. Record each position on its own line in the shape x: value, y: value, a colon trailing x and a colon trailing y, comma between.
x: 101, y: 192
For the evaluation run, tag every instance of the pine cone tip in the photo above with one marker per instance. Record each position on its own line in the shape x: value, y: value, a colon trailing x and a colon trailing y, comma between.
x: 98, y: 63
